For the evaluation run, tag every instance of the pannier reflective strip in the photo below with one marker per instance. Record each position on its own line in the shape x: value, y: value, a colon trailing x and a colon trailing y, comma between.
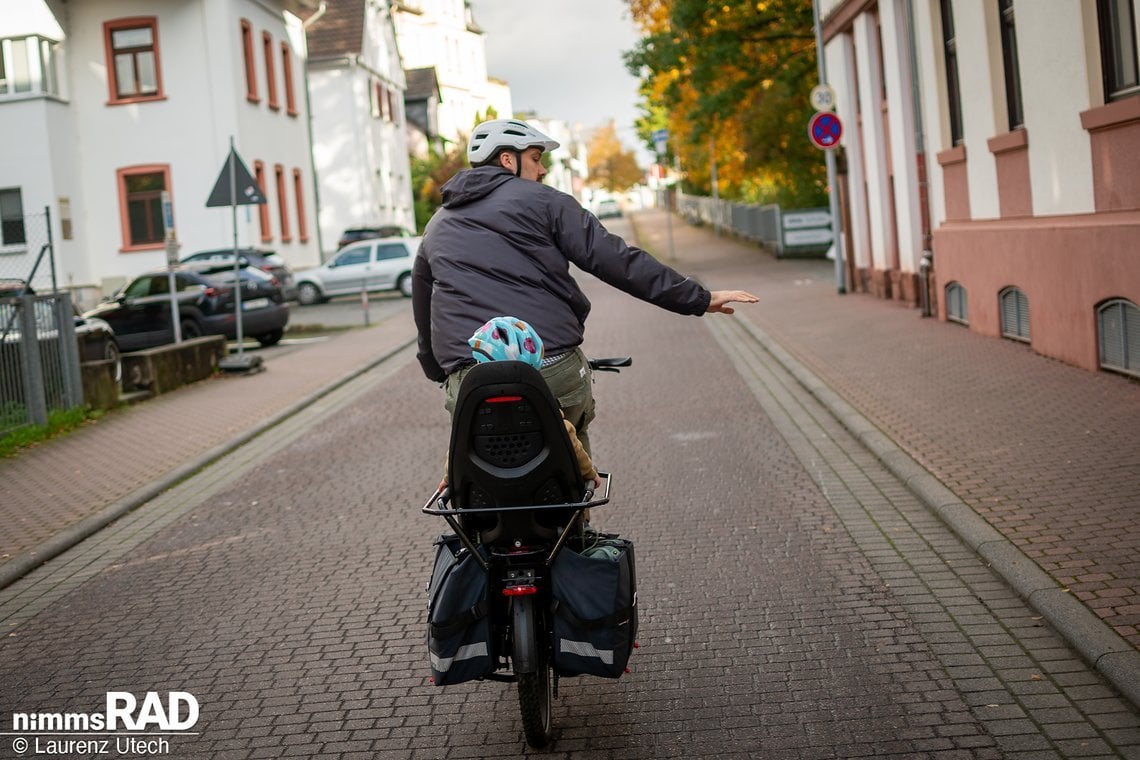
x: 586, y: 649
x: 467, y: 652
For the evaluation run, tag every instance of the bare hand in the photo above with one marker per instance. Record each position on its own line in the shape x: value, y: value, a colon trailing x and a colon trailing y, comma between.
x: 722, y: 298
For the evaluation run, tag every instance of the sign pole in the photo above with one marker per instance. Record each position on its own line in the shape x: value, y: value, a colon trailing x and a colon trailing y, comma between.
x: 829, y: 157
x: 237, y: 264
x: 171, y: 262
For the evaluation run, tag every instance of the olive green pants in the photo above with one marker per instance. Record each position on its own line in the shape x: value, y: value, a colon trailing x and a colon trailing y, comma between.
x: 569, y: 381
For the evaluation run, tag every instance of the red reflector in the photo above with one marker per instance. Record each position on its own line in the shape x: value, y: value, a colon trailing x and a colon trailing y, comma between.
x: 503, y: 399
x: 520, y: 590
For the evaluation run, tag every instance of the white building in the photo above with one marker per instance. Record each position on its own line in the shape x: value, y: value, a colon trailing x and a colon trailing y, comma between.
x: 568, y: 170
x: 1003, y: 137
x: 442, y: 34
x: 360, y: 146
x: 105, y: 104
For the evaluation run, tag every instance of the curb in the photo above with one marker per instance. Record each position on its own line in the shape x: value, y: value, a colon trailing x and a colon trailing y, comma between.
x: 17, y: 568
x: 1116, y: 659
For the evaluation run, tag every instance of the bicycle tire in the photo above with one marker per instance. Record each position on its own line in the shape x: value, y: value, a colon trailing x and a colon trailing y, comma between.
x: 536, y: 689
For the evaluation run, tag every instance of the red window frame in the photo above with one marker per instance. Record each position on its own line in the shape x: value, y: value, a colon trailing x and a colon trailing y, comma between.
x: 270, y: 70
x: 287, y: 68
x: 262, y: 209
x: 153, y: 203
x: 282, y: 204
x: 250, y: 64
x: 113, y: 85
x: 299, y: 192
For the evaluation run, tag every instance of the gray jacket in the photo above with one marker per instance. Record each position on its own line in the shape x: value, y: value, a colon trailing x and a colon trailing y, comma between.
x: 502, y: 246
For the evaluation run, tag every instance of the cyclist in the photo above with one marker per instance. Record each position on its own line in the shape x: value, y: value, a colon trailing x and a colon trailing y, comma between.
x: 503, y: 240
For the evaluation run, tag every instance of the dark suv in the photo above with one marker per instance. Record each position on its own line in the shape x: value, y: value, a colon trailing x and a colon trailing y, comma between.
x: 140, y: 311
x: 266, y: 261
x: 352, y: 234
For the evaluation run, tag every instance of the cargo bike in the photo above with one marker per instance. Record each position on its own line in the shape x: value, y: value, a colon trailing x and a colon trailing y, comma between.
x: 523, y: 590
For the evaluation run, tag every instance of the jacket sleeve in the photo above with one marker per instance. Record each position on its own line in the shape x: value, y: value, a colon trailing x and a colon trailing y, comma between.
x: 422, y: 284
x: 591, y: 247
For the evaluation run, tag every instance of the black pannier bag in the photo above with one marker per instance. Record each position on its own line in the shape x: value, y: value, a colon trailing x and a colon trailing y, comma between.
x: 595, y: 611
x: 459, y: 627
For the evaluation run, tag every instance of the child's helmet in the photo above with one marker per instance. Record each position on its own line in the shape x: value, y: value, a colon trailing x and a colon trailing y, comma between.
x: 507, y: 339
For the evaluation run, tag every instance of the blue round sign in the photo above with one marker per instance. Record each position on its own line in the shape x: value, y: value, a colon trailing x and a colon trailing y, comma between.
x: 825, y: 129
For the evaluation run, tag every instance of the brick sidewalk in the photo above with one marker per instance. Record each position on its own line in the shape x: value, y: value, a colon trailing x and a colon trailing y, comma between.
x: 1048, y: 454
x: 106, y: 468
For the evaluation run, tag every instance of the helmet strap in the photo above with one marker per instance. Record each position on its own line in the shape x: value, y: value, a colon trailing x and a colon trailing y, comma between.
x: 518, y: 163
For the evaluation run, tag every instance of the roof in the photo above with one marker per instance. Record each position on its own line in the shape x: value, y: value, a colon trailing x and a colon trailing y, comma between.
x: 423, y: 84
x: 339, y: 32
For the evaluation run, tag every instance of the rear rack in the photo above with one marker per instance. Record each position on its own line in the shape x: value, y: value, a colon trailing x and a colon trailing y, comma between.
x: 442, y: 496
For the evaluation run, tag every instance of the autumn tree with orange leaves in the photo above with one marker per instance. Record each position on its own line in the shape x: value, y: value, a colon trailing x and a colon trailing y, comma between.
x: 732, y: 77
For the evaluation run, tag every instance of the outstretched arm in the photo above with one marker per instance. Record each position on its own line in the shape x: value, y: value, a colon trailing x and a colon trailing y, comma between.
x: 721, y: 299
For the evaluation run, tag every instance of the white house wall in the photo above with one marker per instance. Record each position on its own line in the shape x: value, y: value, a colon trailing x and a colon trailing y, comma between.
x: 841, y: 76
x: 202, y: 72
x: 931, y: 74
x: 874, y: 146
x: 903, y: 148
x: 976, y: 74
x: 1060, y: 169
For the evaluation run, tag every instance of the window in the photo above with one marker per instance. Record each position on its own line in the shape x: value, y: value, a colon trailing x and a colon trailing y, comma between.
x: 1117, y: 21
x: 1014, y: 314
x: 250, y: 65
x: 1118, y: 329
x: 391, y: 251
x: 1013, y: 106
x: 299, y: 193
x: 287, y: 70
x: 956, y: 303
x: 21, y: 74
x: 270, y: 70
x: 262, y: 209
x: 12, y: 218
x: 953, y: 92
x: 133, y: 70
x: 360, y: 255
x: 28, y: 65
x: 140, y: 205
x: 282, y: 203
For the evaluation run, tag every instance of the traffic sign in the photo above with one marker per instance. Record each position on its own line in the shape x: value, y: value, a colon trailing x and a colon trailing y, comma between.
x: 822, y: 98
x: 824, y: 130
x: 660, y: 140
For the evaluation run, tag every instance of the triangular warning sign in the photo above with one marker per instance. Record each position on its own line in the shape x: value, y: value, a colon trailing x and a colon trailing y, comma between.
x: 248, y: 191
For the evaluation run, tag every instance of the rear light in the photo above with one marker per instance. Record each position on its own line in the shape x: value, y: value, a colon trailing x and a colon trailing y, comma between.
x: 210, y: 292
x: 520, y: 590
x: 503, y: 399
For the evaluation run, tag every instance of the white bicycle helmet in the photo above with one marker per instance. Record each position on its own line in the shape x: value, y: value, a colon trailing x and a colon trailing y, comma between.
x: 490, y: 137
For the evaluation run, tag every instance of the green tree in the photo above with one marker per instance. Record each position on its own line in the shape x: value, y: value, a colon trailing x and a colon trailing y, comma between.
x: 731, y: 79
x: 429, y: 175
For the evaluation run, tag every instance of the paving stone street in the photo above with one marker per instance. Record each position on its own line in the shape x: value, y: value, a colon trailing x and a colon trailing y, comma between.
x: 797, y: 599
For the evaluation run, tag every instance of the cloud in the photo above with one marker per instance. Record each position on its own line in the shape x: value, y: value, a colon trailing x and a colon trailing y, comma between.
x: 563, y: 58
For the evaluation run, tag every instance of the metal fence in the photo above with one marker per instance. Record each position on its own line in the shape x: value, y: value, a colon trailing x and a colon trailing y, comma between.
x: 767, y: 225
x: 39, y: 356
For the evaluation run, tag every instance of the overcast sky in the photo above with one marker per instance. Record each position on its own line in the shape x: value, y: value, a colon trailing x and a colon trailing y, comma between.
x: 563, y: 58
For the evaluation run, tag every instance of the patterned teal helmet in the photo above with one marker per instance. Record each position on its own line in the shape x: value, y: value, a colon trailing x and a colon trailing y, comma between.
x: 507, y: 339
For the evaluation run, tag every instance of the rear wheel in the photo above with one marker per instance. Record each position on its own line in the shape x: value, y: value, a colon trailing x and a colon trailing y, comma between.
x: 111, y: 353
x: 404, y: 284
x: 270, y: 338
x: 536, y: 688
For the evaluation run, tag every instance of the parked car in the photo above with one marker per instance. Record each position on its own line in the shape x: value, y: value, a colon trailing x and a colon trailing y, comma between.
x: 372, y: 265
x: 266, y: 261
x: 608, y: 208
x: 139, y: 312
x: 94, y: 337
x: 353, y: 234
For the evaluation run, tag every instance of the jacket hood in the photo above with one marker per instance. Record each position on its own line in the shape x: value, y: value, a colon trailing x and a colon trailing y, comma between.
x: 472, y: 184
